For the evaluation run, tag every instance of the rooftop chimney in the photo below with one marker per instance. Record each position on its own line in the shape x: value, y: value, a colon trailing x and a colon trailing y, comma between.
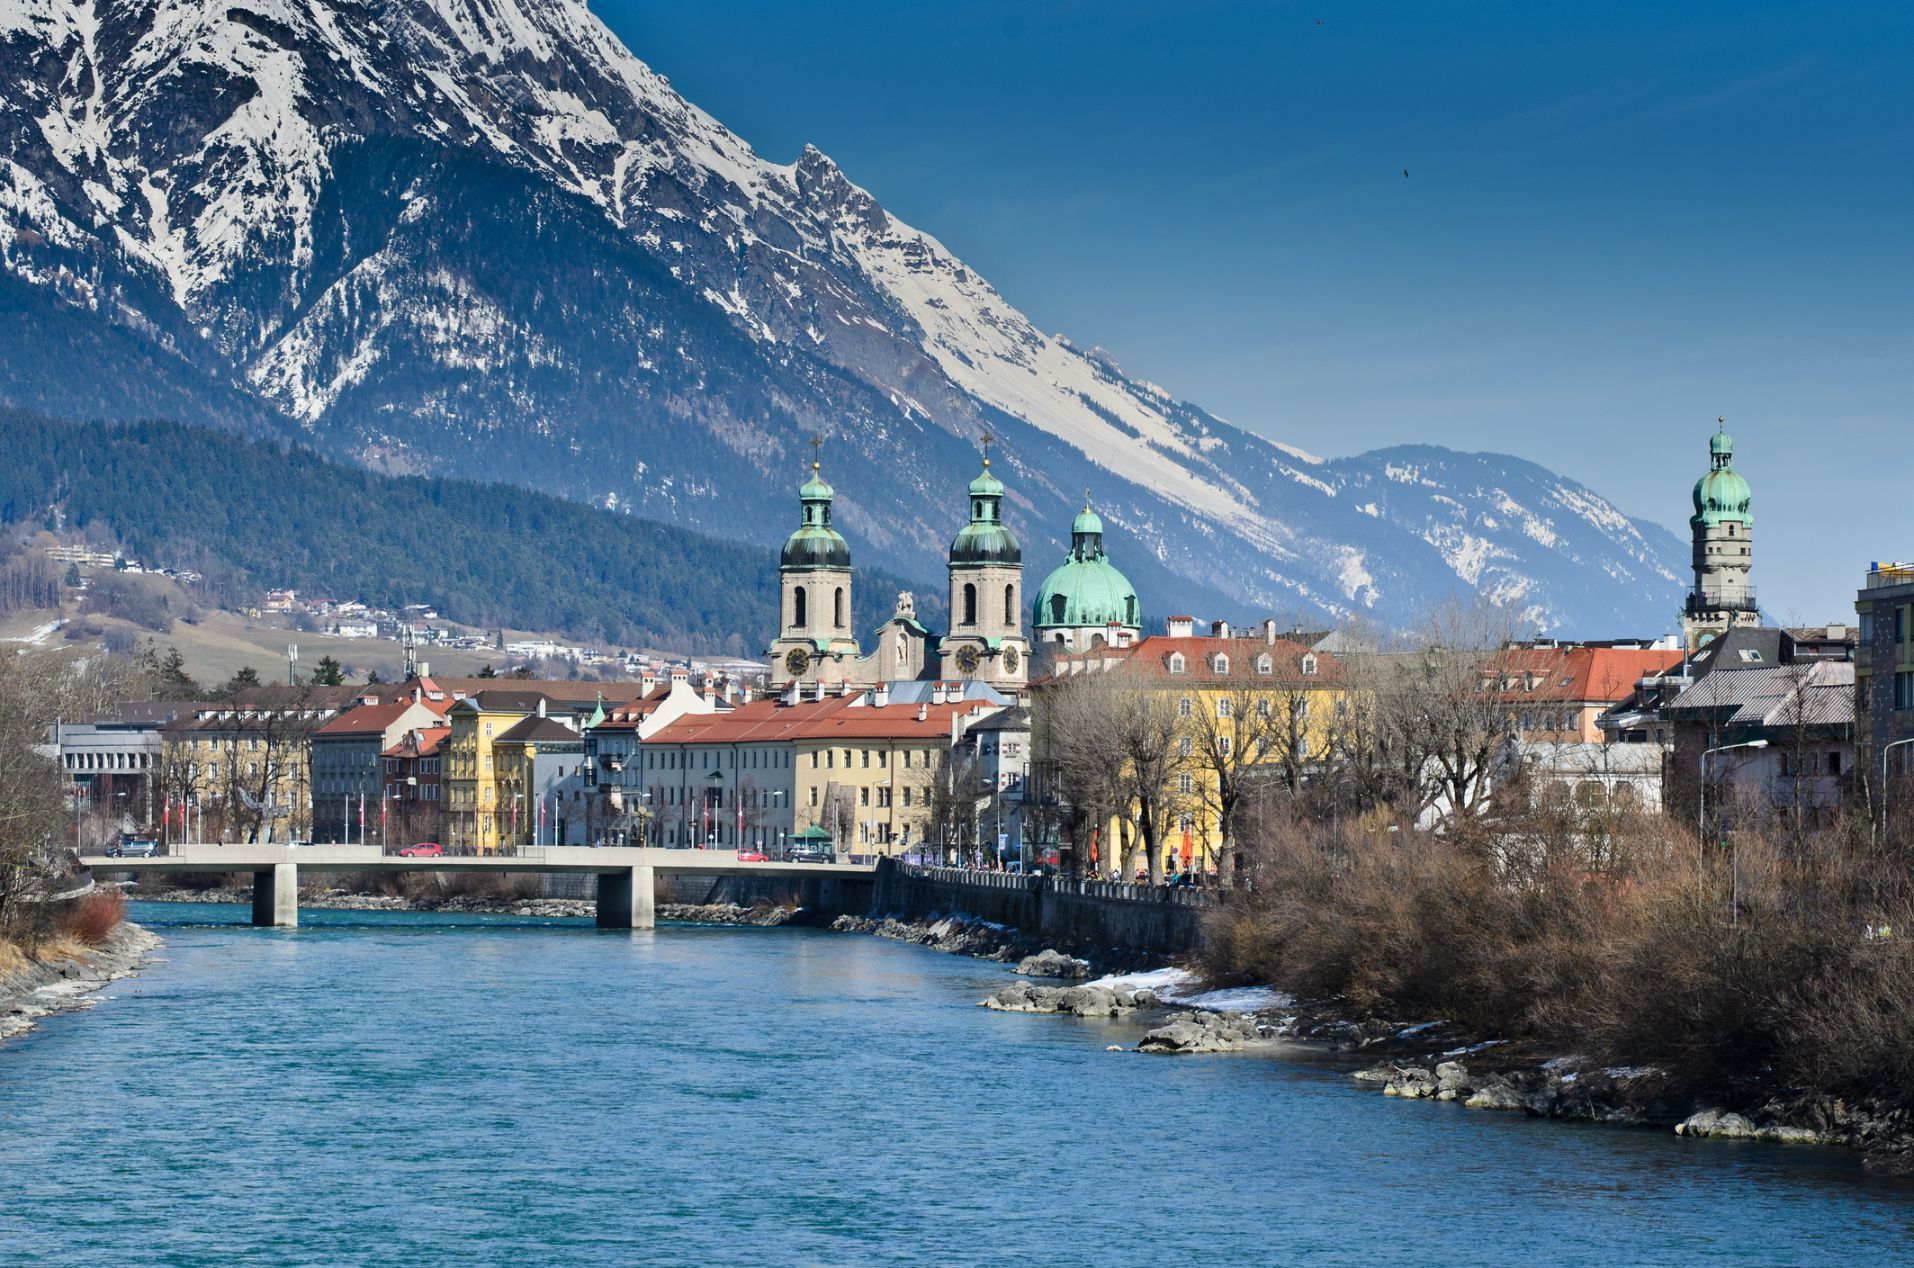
x: 1269, y: 631
x: 881, y: 695
x: 1219, y: 629
x: 937, y: 693
x: 1180, y: 626
x: 541, y: 706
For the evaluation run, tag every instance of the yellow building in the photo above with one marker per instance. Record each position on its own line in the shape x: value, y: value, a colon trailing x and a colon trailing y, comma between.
x: 859, y: 766
x: 240, y: 769
x: 1242, y: 716
x: 477, y: 812
x: 530, y: 759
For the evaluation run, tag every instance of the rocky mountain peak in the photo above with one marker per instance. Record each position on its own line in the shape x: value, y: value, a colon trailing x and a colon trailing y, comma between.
x: 481, y: 237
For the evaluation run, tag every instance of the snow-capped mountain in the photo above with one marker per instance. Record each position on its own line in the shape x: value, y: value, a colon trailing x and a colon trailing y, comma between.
x: 481, y: 238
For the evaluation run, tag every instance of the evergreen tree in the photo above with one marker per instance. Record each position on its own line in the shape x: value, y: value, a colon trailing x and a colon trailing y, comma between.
x: 327, y: 673
x: 488, y: 671
x: 73, y: 577
x: 373, y: 679
x: 246, y: 677
x: 170, y: 676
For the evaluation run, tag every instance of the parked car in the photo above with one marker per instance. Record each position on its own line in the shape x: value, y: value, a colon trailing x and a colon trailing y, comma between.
x: 133, y: 848
x: 811, y: 854
x: 751, y: 856
x: 423, y: 850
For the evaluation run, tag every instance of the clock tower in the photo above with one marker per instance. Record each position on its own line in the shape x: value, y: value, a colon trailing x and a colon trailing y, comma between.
x: 814, y: 642
x: 986, y: 641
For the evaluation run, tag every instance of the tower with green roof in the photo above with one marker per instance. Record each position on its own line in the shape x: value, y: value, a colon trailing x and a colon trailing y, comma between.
x: 814, y: 642
x: 1086, y: 602
x: 986, y: 640
x: 1723, y: 531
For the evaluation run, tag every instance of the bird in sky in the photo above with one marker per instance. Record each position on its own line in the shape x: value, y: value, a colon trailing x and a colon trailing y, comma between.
x: 1405, y: 173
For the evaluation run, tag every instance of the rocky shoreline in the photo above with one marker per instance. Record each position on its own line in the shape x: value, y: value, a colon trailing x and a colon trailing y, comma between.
x: 43, y: 988
x: 1434, y: 1061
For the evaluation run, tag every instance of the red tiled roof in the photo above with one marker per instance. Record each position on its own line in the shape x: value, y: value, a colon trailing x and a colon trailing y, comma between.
x: 1152, y: 656
x: 834, y: 718
x: 1593, y: 674
x: 370, y: 719
x: 428, y: 741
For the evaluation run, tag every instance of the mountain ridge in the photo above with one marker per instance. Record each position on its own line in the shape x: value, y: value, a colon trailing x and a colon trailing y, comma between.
x: 472, y: 236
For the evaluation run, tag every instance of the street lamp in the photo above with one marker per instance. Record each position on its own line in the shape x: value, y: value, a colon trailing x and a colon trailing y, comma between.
x: 1701, y: 844
x: 1702, y: 814
x: 1887, y: 805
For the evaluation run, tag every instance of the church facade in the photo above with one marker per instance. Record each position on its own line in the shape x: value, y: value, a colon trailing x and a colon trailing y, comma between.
x: 816, y: 642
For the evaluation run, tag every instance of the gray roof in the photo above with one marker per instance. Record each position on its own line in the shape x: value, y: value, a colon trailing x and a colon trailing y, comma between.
x: 1815, y: 693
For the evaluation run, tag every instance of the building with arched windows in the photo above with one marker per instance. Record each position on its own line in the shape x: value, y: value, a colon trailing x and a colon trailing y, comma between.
x: 816, y: 641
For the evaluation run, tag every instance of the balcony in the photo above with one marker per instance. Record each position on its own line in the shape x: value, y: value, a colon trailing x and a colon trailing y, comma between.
x: 1704, y: 604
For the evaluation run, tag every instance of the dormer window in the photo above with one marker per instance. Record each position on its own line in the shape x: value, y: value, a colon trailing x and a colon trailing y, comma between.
x: 1264, y: 664
x: 1309, y: 664
x: 1221, y: 663
x: 1176, y: 662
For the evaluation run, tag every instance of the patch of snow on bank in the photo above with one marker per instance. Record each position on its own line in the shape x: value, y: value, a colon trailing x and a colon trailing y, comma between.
x: 1183, y: 988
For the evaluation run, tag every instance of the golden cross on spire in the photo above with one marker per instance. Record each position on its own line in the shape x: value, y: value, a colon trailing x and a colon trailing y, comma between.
x: 817, y: 447
x: 987, y: 439
x: 1086, y: 497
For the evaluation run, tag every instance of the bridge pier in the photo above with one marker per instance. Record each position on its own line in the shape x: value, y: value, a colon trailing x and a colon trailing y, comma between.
x: 625, y: 898
x: 276, y: 896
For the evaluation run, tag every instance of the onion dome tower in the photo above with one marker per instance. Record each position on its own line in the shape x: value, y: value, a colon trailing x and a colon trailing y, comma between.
x: 1086, y: 602
x: 1723, y: 531
x: 986, y: 640
x: 814, y: 570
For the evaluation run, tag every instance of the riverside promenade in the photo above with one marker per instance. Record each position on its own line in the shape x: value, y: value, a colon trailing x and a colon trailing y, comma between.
x: 626, y: 875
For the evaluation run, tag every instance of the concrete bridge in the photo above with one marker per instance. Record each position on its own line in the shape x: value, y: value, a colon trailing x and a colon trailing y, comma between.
x: 625, y: 874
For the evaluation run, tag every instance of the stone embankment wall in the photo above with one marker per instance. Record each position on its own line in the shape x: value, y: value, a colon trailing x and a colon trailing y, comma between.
x: 823, y: 898
x: 1059, y: 909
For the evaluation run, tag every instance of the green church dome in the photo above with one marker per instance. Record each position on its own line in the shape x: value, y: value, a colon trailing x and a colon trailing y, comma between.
x: 1722, y: 495
x: 1087, y: 590
x: 985, y: 540
x: 815, y: 544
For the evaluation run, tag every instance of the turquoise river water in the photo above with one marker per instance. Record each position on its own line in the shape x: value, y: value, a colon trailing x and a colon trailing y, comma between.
x: 417, y: 1089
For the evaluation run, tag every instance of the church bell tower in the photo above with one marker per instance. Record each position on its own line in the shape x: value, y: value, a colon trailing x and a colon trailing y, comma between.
x: 814, y: 642
x: 986, y: 640
x: 1723, y: 531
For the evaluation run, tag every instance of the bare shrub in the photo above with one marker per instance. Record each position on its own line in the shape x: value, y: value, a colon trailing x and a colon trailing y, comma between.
x: 93, y: 918
x: 1785, y: 961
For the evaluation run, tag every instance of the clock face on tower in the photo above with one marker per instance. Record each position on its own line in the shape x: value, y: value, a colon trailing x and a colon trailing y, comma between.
x: 1010, y: 660
x: 796, y: 661
x: 967, y: 660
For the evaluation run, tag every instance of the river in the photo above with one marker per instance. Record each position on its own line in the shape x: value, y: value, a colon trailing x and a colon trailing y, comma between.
x: 409, y: 1088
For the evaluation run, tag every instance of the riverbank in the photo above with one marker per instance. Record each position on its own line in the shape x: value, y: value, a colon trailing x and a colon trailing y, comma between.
x: 1437, y: 1061
x: 64, y: 980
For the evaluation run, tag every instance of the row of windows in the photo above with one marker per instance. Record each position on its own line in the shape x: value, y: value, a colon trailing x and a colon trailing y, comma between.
x: 1226, y: 708
x: 745, y: 759
x: 1219, y: 663
x: 109, y: 761
x: 967, y: 604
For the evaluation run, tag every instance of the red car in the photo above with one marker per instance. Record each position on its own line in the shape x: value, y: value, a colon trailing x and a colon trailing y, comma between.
x: 423, y: 850
x: 751, y: 856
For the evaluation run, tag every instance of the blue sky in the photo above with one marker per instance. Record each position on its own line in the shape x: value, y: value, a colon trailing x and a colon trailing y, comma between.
x: 1619, y: 220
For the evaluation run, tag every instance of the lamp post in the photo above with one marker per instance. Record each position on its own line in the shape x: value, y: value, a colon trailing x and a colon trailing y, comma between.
x: 1701, y: 844
x: 1887, y: 805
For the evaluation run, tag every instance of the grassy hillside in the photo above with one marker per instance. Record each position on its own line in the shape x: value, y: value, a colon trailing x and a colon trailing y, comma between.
x: 251, y: 515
